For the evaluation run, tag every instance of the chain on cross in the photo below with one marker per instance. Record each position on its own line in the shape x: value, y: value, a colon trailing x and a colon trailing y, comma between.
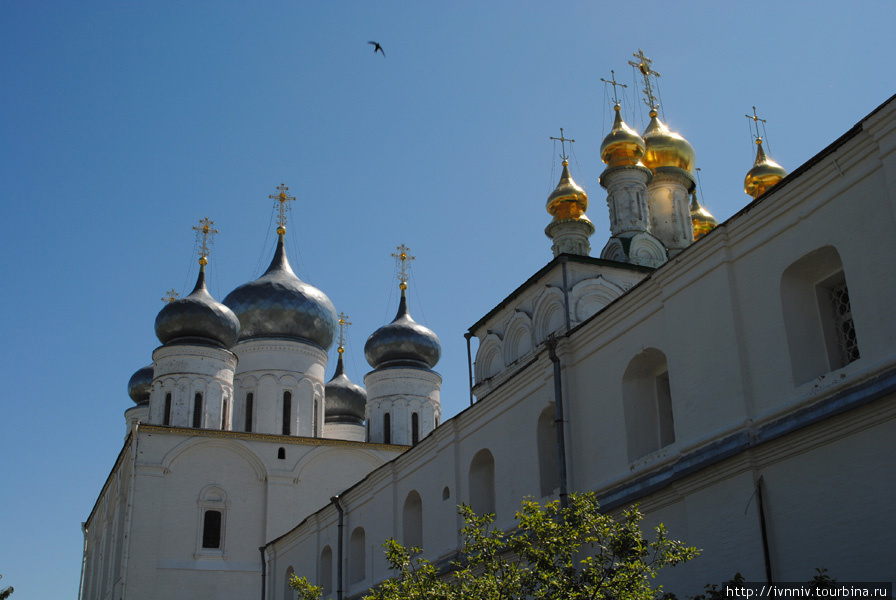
x: 282, y: 199
x: 563, y: 141
x: 643, y: 65
x: 343, y: 323
x: 404, y: 259
x: 614, y: 83
x: 756, y: 120
x: 205, y: 236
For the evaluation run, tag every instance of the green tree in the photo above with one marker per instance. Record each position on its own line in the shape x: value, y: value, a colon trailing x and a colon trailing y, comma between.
x: 575, y: 553
x: 4, y: 594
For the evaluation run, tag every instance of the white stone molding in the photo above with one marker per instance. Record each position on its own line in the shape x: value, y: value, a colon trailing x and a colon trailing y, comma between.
x: 570, y: 236
x: 178, y: 452
x: 591, y: 295
x: 489, y: 357
x: 627, y: 199
x: 614, y: 250
x: 550, y: 313
x: 517, y: 337
x: 670, y: 215
x: 646, y: 250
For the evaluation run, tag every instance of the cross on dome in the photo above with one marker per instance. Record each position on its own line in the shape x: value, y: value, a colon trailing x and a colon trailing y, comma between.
x: 205, y: 236
x: 756, y: 120
x: 170, y: 296
x: 614, y: 83
x: 282, y: 198
x: 404, y: 259
x: 563, y: 141
x: 643, y: 65
x: 343, y: 323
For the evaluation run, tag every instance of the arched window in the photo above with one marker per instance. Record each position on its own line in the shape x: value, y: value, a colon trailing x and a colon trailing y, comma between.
x: 325, y: 570
x: 412, y: 521
x: 482, y: 482
x: 288, y: 593
x: 212, y: 517
x: 250, y: 402
x: 281, y: 453
x: 387, y: 428
x: 415, y: 428
x: 356, y: 555
x: 197, y: 410
x: 446, y: 493
x: 314, y: 419
x: 287, y: 412
x: 225, y: 415
x: 166, y: 420
x: 647, y: 404
x: 548, y: 465
x: 818, y: 315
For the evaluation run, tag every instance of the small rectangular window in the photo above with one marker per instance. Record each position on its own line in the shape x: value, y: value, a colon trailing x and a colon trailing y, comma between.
x: 250, y: 400
x: 387, y: 429
x: 287, y: 412
x: 167, y: 418
x: 211, y: 529
x: 415, y: 428
x: 197, y: 410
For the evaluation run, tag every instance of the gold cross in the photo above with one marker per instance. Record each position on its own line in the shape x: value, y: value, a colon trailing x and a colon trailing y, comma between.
x: 403, y: 257
x: 563, y: 141
x: 343, y: 323
x: 282, y: 198
x: 205, y: 236
x: 170, y: 296
x: 614, y: 83
x: 755, y: 120
x: 643, y: 66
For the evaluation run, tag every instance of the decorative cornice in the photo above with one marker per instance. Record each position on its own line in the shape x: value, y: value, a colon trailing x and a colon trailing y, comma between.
x: 265, y: 437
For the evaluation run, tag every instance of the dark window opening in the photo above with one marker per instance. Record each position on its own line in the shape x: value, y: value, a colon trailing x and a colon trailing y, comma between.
x: 225, y: 416
x: 167, y: 418
x: 281, y: 453
x: 387, y: 428
x: 211, y: 529
x: 250, y: 400
x: 287, y: 412
x: 415, y: 428
x: 197, y: 410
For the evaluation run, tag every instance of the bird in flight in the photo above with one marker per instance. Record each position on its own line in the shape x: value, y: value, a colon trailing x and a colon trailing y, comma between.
x: 377, y: 48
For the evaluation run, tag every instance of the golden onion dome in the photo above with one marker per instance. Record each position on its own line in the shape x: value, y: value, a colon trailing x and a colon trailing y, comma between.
x: 623, y: 146
x: 666, y: 148
x: 701, y: 218
x: 764, y: 175
x: 568, y: 200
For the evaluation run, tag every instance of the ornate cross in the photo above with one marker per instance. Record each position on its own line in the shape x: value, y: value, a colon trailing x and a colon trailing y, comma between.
x: 755, y: 120
x: 205, y: 236
x: 343, y: 323
x: 614, y: 83
x: 563, y: 141
x: 170, y: 296
x: 643, y: 65
x: 282, y: 198
x: 404, y: 259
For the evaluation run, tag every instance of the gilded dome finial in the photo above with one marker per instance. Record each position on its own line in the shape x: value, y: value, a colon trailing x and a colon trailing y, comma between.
x: 614, y: 83
x: 568, y: 200
x: 282, y: 199
x: 205, y: 236
x: 403, y: 258
x: 701, y: 219
x: 765, y: 173
x: 343, y: 323
x: 170, y: 296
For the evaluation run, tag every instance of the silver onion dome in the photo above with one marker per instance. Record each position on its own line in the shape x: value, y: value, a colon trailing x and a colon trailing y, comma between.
x: 403, y: 343
x: 280, y: 305
x: 344, y: 400
x: 140, y: 385
x: 198, y: 318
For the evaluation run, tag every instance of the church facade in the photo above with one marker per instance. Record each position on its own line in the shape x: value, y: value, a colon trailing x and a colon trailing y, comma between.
x: 737, y: 380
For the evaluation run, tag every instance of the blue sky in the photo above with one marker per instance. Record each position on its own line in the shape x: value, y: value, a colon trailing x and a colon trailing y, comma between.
x: 124, y: 123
